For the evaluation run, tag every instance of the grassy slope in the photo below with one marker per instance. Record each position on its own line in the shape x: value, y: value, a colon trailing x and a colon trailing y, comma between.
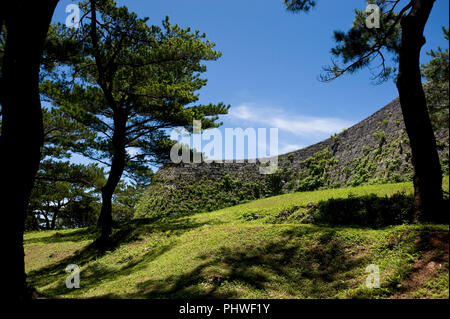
x: 226, y: 254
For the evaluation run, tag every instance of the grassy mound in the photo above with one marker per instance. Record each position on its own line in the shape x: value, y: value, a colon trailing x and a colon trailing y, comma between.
x: 268, y: 248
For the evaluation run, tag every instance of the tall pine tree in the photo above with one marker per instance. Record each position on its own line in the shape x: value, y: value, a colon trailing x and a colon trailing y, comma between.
x: 23, y: 27
x: 400, y: 34
x: 129, y: 83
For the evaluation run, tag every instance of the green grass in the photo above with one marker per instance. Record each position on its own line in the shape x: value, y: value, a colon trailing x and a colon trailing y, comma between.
x: 253, y: 250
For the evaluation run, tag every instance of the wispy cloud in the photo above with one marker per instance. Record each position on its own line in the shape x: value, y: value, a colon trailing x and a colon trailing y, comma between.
x: 289, y: 148
x: 298, y: 125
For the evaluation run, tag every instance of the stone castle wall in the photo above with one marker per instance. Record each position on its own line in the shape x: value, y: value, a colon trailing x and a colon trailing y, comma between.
x: 373, y: 150
x: 345, y: 147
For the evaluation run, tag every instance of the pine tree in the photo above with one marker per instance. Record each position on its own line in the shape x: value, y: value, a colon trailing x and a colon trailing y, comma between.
x: 23, y: 29
x: 129, y: 83
x: 401, y: 35
x: 437, y: 86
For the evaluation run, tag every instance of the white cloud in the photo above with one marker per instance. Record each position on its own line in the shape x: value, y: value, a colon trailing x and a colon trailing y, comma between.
x: 298, y: 125
x: 290, y: 148
x: 133, y: 151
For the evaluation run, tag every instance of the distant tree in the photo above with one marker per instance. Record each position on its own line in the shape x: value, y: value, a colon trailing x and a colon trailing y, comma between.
x: 60, y: 184
x: 125, y: 200
x: 129, y: 82
x: 81, y: 213
x: 61, y: 134
x: 23, y: 29
x: 400, y: 34
x: 437, y: 85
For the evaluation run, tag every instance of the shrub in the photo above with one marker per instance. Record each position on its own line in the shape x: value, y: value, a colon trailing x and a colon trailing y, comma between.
x: 367, y: 211
x: 274, y: 182
x: 316, y: 171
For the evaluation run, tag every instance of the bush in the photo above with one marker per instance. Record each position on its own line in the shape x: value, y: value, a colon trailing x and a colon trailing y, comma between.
x: 188, y: 197
x: 316, y: 171
x: 275, y: 182
x: 367, y: 211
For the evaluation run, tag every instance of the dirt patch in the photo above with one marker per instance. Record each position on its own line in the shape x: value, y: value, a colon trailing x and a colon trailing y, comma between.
x: 434, y: 260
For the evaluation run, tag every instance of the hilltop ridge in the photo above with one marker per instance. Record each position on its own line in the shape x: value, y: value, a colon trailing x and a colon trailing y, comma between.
x: 375, y: 150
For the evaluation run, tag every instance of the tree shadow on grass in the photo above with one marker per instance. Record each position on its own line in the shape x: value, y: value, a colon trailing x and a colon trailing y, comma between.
x: 374, y: 211
x: 94, y: 272
x: 58, y: 237
x: 318, y: 271
x: 433, y: 248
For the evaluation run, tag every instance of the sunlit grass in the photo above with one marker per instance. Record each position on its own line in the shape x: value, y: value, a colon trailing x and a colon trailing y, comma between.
x: 222, y: 255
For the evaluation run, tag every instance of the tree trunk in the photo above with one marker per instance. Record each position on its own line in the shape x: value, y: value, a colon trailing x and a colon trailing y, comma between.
x: 54, y: 216
x: 105, y: 218
x: 425, y: 158
x: 115, y: 174
x: 27, y: 25
x: 47, y: 222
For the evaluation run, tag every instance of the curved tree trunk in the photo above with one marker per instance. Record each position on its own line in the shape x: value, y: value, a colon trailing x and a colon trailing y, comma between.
x: 105, y: 218
x: 54, y: 216
x: 115, y: 174
x: 118, y: 141
x: 22, y: 129
x: 47, y: 222
x: 425, y: 158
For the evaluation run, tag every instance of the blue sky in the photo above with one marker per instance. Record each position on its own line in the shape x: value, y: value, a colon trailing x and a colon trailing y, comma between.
x: 271, y: 60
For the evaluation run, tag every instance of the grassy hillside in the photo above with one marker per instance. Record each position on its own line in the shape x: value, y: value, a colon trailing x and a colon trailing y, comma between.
x: 373, y: 151
x: 262, y: 249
